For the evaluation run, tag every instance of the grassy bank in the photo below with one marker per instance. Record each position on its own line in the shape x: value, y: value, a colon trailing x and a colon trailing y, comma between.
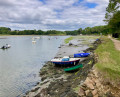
x: 108, y: 59
x: 68, y: 39
x: 85, y: 37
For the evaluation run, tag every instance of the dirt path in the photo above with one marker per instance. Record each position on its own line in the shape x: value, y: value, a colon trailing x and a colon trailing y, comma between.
x: 116, y: 43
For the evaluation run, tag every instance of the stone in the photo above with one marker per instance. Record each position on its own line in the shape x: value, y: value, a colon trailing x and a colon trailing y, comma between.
x: 96, y: 95
x: 89, y: 85
x: 89, y: 94
x: 96, y: 73
x: 109, y: 94
x: 81, y: 92
x: 98, y: 84
x: 94, y: 92
x: 87, y: 91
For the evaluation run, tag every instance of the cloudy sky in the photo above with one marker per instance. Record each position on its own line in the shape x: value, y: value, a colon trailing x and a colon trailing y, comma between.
x: 52, y: 14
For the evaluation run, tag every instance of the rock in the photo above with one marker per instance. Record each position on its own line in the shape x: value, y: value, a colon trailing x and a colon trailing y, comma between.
x: 43, y: 78
x: 89, y: 94
x: 96, y: 95
x: 81, y: 92
x: 109, y: 94
x: 89, y: 85
x: 35, y: 89
x: 96, y: 73
x: 87, y: 91
x: 70, y: 44
x: 94, y: 92
x: 98, y: 85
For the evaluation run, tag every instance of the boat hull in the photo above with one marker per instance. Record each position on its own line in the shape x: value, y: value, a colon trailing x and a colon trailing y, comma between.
x: 74, y: 68
x: 66, y: 63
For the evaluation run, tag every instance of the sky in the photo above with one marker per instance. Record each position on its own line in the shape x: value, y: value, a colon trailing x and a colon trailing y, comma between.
x: 52, y: 14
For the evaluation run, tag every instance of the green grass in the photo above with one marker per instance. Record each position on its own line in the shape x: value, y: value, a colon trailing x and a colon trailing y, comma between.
x: 108, y: 60
x: 68, y: 39
x: 85, y: 37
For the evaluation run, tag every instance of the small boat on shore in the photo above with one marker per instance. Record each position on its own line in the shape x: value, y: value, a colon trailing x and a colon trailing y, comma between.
x: 81, y: 55
x: 74, y: 68
x: 65, y: 61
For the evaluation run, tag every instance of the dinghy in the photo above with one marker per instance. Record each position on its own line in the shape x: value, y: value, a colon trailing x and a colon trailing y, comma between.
x: 73, y: 68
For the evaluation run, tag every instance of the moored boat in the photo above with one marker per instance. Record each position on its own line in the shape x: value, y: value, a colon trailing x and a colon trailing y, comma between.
x: 6, y: 46
x: 36, y: 37
x: 65, y: 61
x: 81, y: 55
x: 73, y: 68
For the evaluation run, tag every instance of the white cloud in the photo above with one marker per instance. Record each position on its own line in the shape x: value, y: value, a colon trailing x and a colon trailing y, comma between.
x: 51, y: 14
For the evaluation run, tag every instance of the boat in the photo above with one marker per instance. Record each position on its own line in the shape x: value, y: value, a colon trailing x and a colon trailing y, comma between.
x: 6, y: 46
x: 37, y: 37
x: 81, y: 55
x: 73, y: 68
x: 65, y: 61
x: 3, y: 47
x: 33, y: 41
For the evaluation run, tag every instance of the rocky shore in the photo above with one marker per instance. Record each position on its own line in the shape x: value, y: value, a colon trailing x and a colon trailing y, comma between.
x: 55, y: 82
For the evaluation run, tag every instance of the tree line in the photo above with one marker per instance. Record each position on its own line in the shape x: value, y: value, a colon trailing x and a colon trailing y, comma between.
x: 88, y: 30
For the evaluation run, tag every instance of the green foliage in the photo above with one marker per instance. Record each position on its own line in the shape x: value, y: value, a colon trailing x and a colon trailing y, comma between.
x: 114, y: 23
x: 75, y: 32
x: 4, y: 30
x: 112, y: 17
x: 112, y: 8
x: 96, y: 30
x: 80, y: 31
x: 68, y: 39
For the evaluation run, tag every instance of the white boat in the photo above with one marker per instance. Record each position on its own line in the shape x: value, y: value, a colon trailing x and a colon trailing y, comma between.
x: 8, y: 46
x: 33, y: 41
x: 65, y: 61
x: 37, y: 37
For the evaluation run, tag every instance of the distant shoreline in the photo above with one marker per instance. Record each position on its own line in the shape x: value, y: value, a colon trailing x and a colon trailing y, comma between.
x: 34, y: 35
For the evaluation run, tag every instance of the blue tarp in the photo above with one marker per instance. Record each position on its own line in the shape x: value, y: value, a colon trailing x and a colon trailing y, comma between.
x: 81, y: 55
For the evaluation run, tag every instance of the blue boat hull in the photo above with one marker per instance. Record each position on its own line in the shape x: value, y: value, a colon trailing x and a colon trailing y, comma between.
x: 81, y: 55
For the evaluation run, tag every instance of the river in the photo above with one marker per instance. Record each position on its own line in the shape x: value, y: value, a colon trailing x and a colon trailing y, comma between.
x: 20, y: 64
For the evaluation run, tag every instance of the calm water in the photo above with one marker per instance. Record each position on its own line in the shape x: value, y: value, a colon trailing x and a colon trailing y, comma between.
x: 20, y: 64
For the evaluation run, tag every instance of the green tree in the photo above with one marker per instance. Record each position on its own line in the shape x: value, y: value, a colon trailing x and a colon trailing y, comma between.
x: 80, y: 31
x: 112, y: 8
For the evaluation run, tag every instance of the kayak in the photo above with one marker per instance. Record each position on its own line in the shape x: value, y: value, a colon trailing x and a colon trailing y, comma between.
x: 74, y: 68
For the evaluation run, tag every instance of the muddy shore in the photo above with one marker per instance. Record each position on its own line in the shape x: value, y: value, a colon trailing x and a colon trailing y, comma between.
x: 55, y: 82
